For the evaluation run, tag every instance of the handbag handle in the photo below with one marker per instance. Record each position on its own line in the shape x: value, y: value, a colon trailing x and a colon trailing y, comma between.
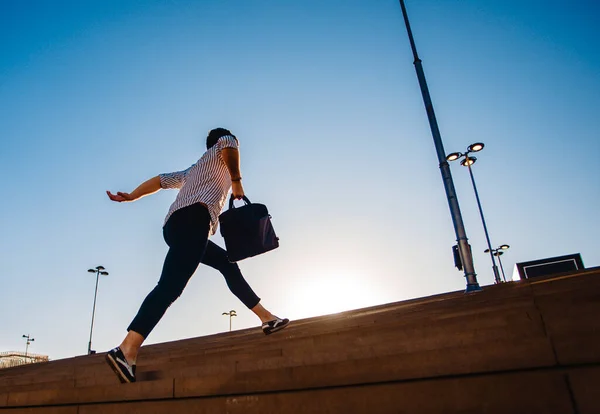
x: 246, y: 201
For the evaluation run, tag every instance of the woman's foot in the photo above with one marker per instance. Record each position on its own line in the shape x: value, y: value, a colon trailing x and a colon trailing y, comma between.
x: 117, y: 361
x: 275, y: 325
x: 122, y: 359
x: 270, y: 322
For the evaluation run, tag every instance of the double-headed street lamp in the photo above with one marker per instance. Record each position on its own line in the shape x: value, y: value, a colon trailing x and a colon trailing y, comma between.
x: 467, y: 161
x: 498, y: 251
x: 29, y: 340
x: 231, y: 314
x: 99, y: 270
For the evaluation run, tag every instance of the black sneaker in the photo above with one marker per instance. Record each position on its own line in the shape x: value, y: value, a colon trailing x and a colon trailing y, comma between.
x: 274, y: 325
x: 119, y: 364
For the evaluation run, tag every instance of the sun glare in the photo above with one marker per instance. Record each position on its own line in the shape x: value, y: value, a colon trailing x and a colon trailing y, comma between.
x: 324, y: 294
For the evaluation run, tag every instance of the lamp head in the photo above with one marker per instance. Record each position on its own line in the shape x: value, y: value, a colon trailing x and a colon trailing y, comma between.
x: 104, y: 273
x: 504, y: 247
x: 468, y: 161
x: 99, y: 267
x: 454, y: 156
x: 476, y: 147
x: 91, y: 271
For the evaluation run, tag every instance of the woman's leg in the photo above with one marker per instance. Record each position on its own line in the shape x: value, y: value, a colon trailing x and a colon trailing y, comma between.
x: 186, y: 233
x: 216, y: 257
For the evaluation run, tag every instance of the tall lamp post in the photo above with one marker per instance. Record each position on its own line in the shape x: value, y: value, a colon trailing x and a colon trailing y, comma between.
x: 459, y: 228
x: 29, y: 340
x: 99, y: 270
x: 467, y: 161
x: 231, y: 314
x: 499, y: 252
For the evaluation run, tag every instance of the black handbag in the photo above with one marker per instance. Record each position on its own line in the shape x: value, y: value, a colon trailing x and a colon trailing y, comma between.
x: 247, y: 230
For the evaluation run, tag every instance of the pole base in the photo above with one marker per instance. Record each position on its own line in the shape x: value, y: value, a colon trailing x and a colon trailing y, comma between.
x: 472, y: 288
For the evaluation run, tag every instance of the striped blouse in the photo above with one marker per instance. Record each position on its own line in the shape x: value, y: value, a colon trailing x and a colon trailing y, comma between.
x: 206, y: 182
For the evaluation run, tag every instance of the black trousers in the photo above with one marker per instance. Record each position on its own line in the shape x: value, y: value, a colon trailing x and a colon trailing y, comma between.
x: 186, y: 234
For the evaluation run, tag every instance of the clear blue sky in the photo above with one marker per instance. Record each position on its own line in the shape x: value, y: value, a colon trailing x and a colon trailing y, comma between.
x: 100, y: 95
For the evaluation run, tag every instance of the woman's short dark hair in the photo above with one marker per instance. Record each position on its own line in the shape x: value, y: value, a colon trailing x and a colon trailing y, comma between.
x: 214, y: 135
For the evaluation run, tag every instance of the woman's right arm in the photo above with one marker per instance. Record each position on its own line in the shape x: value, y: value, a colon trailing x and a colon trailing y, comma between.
x: 150, y: 186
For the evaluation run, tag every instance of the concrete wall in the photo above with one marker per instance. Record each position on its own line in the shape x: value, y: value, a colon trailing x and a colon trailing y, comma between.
x: 526, y: 347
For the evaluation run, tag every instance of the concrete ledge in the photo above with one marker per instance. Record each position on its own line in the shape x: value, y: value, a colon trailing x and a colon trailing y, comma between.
x: 531, y: 346
x: 532, y: 393
x: 426, y: 364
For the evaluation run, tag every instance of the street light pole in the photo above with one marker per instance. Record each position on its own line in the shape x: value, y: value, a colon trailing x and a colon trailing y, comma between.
x: 231, y: 314
x: 99, y: 270
x: 499, y: 252
x: 470, y: 161
x: 467, y: 162
x: 459, y: 228
x: 29, y: 340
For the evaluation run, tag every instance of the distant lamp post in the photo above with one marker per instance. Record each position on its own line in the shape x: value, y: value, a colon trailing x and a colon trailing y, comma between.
x: 231, y: 314
x: 29, y: 340
x: 499, y: 252
x: 467, y: 161
x: 99, y: 270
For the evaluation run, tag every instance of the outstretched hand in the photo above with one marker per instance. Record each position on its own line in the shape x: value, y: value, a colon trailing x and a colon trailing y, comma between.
x: 120, y: 197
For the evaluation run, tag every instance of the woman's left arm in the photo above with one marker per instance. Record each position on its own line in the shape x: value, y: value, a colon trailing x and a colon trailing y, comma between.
x: 231, y: 157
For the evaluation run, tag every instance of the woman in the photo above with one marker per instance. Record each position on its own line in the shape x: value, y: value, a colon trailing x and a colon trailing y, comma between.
x: 192, y: 218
